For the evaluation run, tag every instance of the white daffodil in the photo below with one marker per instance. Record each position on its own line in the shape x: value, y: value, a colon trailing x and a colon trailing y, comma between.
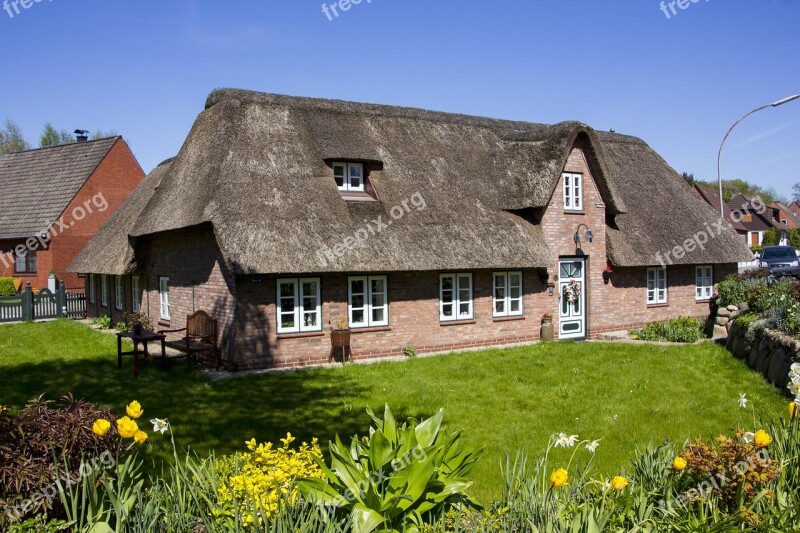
x: 743, y: 400
x: 566, y: 441
x: 160, y: 425
x: 592, y: 446
x: 794, y: 388
x: 748, y: 437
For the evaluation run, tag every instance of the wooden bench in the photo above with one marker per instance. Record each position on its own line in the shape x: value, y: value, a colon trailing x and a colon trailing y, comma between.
x: 200, y: 338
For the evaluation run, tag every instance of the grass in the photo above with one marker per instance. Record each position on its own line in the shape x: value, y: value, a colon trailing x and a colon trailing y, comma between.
x: 504, y: 400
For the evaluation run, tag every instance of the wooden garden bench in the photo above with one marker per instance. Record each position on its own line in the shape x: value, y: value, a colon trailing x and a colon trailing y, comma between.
x: 200, y: 339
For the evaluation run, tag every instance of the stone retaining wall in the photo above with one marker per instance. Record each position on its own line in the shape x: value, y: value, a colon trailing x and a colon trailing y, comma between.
x: 769, y: 352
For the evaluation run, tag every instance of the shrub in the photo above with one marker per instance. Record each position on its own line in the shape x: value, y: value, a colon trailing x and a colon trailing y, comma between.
x: 681, y: 329
x: 772, y: 237
x: 43, y: 443
x: 410, y: 352
x: 122, y: 327
x: 103, y: 322
x: 254, y: 485
x: 731, y: 291
x: 7, y: 287
x: 778, y: 296
x: 397, y: 477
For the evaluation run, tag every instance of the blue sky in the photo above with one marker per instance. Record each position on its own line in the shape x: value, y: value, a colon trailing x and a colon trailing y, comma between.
x: 144, y: 68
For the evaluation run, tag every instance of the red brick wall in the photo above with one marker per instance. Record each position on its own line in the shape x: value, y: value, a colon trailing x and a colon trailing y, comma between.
x: 198, y: 280
x: 117, y: 175
x: 413, y: 321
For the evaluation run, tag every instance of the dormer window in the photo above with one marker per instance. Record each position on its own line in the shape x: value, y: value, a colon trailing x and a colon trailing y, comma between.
x: 349, y: 176
x: 573, y: 191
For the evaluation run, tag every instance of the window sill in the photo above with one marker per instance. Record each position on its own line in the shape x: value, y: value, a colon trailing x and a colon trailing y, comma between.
x: 357, y: 197
x: 703, y: 301
x: 25, y: 274
x: 374, y: 329
x: 649, y: 306
x: 302, y: 335
x: 574, y: 212
x: 457, y: 323
x: 508, y: 318
x: 162, y: 322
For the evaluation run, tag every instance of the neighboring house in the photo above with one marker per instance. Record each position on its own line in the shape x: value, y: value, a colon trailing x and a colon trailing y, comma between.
x: 757, y: 218
x: 711, y: 197
x: 794, y: 209
x: 54, y: 200
x: 282, y: 216
x: 786, y: 216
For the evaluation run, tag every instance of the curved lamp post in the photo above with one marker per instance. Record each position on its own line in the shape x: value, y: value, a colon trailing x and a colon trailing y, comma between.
x: 719, y: 155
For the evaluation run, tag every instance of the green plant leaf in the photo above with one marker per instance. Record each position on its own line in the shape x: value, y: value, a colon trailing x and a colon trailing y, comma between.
x: 427, y: 431
x: 365, y: 519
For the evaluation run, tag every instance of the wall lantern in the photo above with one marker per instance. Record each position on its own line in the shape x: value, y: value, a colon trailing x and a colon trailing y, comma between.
x: 586, y: 235
x: 551, y: 287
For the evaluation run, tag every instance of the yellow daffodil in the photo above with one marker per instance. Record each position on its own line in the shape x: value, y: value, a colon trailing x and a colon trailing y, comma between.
x: 679, y: 464
x: 288, y: 440
x: 126, y: 427
x: 134, y: 410
x: 139, y: 437
x: 559, y: 478
x: 794, y: 410
x: 619, y: 483
x: 762, y: 439
x: 101, y: 427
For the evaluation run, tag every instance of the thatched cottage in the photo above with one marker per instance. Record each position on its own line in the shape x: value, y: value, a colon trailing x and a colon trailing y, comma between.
x: 283, y: 216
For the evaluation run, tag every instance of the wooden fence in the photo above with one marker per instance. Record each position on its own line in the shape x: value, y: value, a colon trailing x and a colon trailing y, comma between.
x: 43, y: 305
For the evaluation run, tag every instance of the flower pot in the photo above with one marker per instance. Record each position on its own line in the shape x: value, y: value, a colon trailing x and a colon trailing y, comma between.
x: 547, y: 333
x: 137, y: 329
x: 340, y: 338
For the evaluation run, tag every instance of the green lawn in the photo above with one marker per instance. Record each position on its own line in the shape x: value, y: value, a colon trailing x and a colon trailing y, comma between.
x: 505, y: 400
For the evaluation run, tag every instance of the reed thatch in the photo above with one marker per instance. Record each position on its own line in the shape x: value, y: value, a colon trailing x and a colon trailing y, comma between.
x: 255, y: 166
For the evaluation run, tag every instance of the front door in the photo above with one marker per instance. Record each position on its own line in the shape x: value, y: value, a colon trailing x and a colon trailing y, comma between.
x: 572, y: 298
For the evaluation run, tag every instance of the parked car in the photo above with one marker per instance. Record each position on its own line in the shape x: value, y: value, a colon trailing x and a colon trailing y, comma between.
x: 781, y: 261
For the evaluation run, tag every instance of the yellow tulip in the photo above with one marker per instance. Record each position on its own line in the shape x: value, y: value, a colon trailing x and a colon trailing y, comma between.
x: 134, y: 410
x: 619, y: 483
x: 139, y: 437
x: 101, y: 427
x: 559, y: 478
x: 794, y: 410
x: 679, y: 464
x: 762, y: 439
x: 126, y: 427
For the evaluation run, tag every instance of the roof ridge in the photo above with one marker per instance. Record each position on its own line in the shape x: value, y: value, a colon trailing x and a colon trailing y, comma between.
x: 62, y: 145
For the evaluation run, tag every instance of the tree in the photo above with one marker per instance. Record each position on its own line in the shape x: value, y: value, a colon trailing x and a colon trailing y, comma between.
x: 100, y: 134
x: 11, y: 139
x: 53, y: 137
x: 796, y: 192
x: 689, y: 178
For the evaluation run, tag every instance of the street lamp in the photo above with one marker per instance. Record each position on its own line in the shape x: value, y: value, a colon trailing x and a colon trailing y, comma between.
x: 719, y: 155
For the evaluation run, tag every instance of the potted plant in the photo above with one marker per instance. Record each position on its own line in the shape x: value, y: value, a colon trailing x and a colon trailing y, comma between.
x: 138, y: 323
x: 340, y: 336
x: 546, y: 333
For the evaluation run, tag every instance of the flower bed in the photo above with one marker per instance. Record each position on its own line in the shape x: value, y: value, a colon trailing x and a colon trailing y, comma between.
x: 415, y: 476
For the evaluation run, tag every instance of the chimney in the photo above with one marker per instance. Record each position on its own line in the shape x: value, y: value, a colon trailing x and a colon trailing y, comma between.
x: 81, y: 136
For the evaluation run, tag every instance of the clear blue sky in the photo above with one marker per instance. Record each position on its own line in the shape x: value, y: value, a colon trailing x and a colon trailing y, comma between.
x: 144, y: 68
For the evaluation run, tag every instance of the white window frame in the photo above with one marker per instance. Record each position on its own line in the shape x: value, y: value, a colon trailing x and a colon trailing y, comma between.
x: 505, y: 302
x: 104, y: 290
x: 704, y: 282
x: 119, y: 300
x: 657, y: 295
x: 369, y: 304
x: 347, y: 177
x: 91, y: 294
x: 135, y: 291
x: 299, y: 311
x: 573, y: 191
x: 457, y: 301
x: 163, y: 298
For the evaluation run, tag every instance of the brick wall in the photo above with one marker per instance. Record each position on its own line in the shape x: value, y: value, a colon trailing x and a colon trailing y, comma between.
x: 413, y: 320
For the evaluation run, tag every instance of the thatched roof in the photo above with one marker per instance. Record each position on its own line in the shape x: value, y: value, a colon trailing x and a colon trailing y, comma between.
x: 254, y: 167
x: 111, y: 251
x: 39, y: 184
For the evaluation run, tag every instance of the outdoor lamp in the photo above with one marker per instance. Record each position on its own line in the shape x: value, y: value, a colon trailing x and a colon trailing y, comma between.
x: 719, y: 154
x: 588, y: 235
